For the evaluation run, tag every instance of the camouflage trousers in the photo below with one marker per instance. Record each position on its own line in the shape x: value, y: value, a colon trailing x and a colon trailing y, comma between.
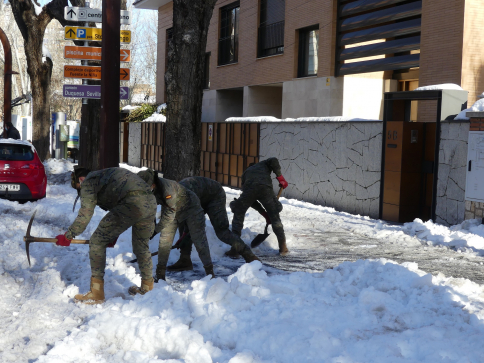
x: 265, y: 195
x: 137, y: 211
x: 194, y: 218
x: 217, y: 213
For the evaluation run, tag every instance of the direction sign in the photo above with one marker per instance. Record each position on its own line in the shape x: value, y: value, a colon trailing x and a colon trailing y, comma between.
x: 94, y: 15
x: 86, y: 72
x: 83, y: 91
x: 92, y: 34
x: 92, y: 53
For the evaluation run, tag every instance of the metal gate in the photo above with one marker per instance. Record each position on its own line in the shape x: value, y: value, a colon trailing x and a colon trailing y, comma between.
x: 227, y: 150
x: 153, y: 145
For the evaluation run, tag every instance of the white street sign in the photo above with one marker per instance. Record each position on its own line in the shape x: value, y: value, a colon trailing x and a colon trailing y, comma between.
x: 94, y: 15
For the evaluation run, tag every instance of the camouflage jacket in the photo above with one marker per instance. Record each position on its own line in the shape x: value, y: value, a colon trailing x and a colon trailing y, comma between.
x: 104, y: 188
x: 173, y: 197
x: 260, y: 173
x: 206, y: 189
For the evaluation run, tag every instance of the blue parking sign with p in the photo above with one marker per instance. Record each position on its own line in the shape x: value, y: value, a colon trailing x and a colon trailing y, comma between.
x: 81, y: 33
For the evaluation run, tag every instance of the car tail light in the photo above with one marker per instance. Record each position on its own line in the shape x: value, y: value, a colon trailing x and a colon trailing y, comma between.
x: 30, y: 166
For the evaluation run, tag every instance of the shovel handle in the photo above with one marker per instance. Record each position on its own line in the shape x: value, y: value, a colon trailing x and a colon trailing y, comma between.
x: 280, y: 192
x: 54, y: 240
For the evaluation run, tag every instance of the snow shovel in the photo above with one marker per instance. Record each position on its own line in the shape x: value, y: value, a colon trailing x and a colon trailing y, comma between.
x: 29, y: 239
x: 262, y: 237
x: 176, y: 245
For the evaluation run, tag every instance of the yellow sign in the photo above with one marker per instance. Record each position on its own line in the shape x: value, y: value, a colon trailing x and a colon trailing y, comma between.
x: 92, y: 34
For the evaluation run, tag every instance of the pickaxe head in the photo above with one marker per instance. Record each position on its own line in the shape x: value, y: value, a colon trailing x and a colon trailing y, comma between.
x: 27, y: 237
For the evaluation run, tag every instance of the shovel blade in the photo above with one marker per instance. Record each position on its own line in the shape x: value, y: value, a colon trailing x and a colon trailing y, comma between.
x: 259, y: 239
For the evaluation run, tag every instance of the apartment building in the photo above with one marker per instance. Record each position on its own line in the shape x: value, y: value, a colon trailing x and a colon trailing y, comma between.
x: 313, y: 58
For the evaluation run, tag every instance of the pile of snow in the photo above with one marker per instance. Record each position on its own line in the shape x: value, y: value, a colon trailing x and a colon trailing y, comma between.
x: 299, y: 119
x: 155, y: 117
x: 129, y: 108
x: 440, y: 87
x: 364, y: 311
x: 58, y: 166
x: 478, y: 106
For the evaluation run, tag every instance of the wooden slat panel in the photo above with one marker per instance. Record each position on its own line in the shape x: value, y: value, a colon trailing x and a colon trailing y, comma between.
x: 213, y: 176
x: 240, y: 168
x: 226, y: 180
x: 220, y: 159
x: 207, y: 162
x: 253, y: 142
x: 233, y: 165
x: 223, y: 138
x: 226, y: 162
x: 234, y: 181
x: 220, y: 178
x: 213, y: 160
x: 204, y: 136
x: 237, y: 139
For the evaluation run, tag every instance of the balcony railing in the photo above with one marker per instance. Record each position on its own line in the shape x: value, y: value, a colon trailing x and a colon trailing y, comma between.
x: 271, y: 39
x: 228, y: 50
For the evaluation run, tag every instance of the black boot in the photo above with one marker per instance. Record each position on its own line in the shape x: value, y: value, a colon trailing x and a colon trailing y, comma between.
x: 183, y: 264
x: 209, y: 270
x: 160, y: 274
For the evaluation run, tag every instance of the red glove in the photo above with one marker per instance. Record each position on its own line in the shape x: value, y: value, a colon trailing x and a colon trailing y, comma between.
x: 282, y: 182
x: 62, y: 240
x: 111, y: 245
x: 266, y: 216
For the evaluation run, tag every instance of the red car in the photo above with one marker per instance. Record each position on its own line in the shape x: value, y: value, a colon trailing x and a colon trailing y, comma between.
x: 22, y: 174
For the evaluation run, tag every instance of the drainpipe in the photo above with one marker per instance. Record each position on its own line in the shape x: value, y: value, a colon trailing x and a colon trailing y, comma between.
x: 7, y: 93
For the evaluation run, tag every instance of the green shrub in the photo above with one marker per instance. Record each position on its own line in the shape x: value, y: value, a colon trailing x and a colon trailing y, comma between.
x: 141, y: 113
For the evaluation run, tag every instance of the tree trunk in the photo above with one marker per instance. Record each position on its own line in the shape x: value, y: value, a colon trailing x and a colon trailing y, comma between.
x: 186, y: 58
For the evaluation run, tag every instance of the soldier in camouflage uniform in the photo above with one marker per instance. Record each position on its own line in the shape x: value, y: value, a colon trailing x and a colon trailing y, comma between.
x: 257, y: 186
x: 212, y: 200
x: 179, y: 205
x: 130, y: 203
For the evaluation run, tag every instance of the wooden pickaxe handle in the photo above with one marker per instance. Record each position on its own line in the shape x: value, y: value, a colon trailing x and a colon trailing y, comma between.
x: 31, y: 239
x: 280, y: 192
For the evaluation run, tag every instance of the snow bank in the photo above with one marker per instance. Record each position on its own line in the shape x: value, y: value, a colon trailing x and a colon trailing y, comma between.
x: 440, y: 87
x: 58, y: 166
x: 365, y: 311
x: 130, y: 108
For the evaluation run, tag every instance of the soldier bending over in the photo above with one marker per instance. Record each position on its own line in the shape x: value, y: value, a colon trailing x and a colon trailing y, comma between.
x: 179, y: 205
x: 212, y: 199
x: 130, y: 204
x: 257, y: 186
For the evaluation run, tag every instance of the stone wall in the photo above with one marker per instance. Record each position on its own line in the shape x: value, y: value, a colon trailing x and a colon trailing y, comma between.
x: 134, y: 148
x: 335, y: 164
x: 450, y: 207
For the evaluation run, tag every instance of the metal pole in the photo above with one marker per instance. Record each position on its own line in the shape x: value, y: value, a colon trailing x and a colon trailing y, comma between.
x: 110, y: 64
x: 7, y: 93
x: 84, y: 62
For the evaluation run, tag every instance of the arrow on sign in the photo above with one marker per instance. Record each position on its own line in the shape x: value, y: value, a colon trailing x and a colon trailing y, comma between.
x: 70, y: 32
x: 122, y: 92
x: 70, y: 12
x: 124, y: 55
x: 123, y: 73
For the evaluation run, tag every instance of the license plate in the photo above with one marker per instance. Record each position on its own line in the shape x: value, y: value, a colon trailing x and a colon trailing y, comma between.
x: 11, y: 187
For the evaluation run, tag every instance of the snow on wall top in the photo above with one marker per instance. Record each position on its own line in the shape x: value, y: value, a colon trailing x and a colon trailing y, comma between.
x: 440, y: 87
x: 299, y: 119
x: 478, y: 106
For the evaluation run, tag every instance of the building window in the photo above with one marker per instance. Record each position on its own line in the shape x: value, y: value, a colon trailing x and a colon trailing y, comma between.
x: 228, y: 44
x: 271, y: 28
x: 308, y: 52
x: 206, y: 72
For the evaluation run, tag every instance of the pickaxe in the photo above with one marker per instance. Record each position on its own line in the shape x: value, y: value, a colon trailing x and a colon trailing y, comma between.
x: 29, y: 239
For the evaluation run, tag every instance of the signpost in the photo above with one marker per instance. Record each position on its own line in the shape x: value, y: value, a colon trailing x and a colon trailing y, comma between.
x: 89, y: 72
x: 92, y: 34
x: 92, y: 53
x: 89, y: 91
x: 94, y: 15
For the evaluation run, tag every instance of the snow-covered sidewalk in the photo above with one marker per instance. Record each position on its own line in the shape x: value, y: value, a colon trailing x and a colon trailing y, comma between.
x: 370, y: 310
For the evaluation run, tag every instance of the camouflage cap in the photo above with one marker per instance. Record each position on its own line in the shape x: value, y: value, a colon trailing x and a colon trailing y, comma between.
x: 78, y: 172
